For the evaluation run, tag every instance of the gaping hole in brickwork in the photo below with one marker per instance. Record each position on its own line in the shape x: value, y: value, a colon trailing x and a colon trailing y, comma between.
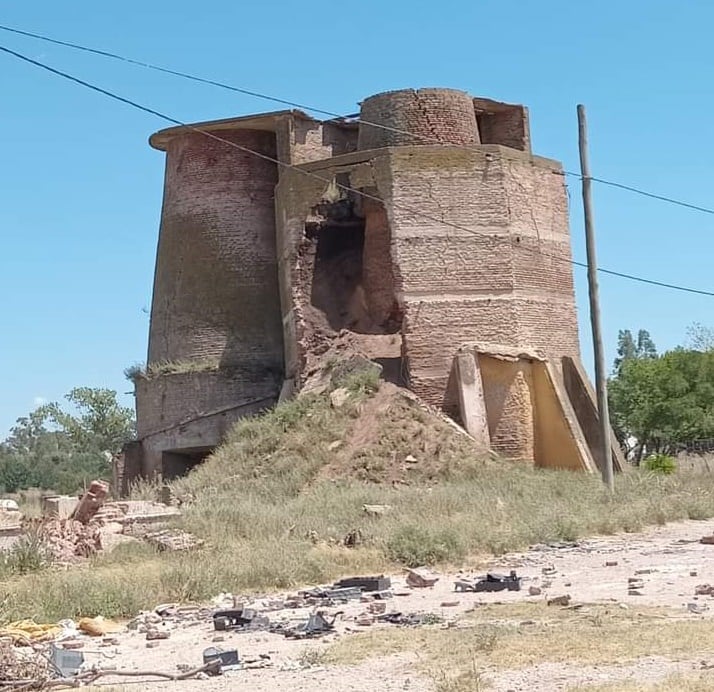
x: 177, y: 463
x: 348, y: 280
x: 336, y: 289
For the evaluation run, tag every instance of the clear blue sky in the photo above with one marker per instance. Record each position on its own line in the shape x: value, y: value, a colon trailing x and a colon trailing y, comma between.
x: 80, y: 190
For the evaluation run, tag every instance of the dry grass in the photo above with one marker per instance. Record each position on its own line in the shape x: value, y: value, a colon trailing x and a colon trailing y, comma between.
x: 170, y: 367
x: 264, y: 500
x: 703, y: 682
x: 524, y: 635
x: 29, y: 501
x: 695, y: 463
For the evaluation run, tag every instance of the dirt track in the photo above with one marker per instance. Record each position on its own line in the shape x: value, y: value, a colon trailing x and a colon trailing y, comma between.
x: 670, y: 561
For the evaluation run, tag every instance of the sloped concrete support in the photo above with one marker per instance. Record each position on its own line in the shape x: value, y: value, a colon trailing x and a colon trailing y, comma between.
x: 582, y: 397
x: 472, y: 404
x: 559, y: 440
x: 513, y: 400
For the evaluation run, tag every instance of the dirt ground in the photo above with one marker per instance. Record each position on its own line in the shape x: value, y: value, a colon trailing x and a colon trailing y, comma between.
x: 669, y: 562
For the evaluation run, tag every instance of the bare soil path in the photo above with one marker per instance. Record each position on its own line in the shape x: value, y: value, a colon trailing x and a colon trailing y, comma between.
x: 668, y: 562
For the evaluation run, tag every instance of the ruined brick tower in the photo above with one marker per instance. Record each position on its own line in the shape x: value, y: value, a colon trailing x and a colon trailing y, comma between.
x: 428, y: 235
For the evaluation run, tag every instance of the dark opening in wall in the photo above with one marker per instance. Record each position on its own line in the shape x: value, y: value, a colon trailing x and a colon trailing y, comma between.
x: 347, y: 279
x: 336, y: 289
x: 177, y: 463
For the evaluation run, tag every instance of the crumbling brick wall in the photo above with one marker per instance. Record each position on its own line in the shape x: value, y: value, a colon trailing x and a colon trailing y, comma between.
x: 423, y: 116
x: 215, y: 288
x: 466, y: 240
x: 215, y: 302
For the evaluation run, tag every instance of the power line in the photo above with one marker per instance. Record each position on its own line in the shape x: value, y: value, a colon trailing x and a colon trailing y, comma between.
x: 204, y: 80
x: 644, y: 193
x: 328, y: 181
x: 188, y: 126
x: 294, y: 104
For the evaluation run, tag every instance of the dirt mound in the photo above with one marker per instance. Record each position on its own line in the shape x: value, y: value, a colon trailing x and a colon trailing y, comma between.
x: 348, y: 353
x: 395, y: 438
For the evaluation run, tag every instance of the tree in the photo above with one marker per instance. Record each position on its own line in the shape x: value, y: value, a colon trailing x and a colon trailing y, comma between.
x: 100, y: 423
x: 629, y: 348
x: 700, y: 338
x: 664, y: 401
x: 51, y: 448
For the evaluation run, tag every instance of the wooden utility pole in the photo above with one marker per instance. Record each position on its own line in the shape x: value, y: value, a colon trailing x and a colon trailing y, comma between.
x: 600, y: 376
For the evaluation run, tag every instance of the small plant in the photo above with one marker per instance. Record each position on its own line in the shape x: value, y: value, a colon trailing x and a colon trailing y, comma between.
x: 661, y: 463
x: 357, y: 377
x: 134, y: 372
x: 311, y: 657
x: 170, y: 367
x: 145, y: 489
x: 469, y: 680
x: 30, y: 554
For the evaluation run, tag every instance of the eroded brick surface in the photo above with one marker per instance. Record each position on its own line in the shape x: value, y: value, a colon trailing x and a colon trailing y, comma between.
x: 458, y: 235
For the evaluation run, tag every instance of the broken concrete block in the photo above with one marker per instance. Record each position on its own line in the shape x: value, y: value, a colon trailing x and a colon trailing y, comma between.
x: 173, y: 540
x: 534, y: 591
x: 707, y: 540
x: 153, y: 635
x: 421, y: 577
x: 703, y: 590
x: 559, y: 600
x: 339, y: 397
x: 491, y: 582
x: 71, y: 644
x: 58, y: 506
x: 166, y: 495
x: 376, y: 583
x: 91, y: 501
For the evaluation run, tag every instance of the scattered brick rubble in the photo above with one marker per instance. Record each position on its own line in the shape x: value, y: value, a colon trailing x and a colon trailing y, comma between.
x: 73, y: 529
x: 172, y: 540
x: 68, y: 539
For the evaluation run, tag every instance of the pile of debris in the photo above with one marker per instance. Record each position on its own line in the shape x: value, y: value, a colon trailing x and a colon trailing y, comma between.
x: 68, y: 540
x: 18, y: 664
x: 335, y: 609
x: 72, y: 529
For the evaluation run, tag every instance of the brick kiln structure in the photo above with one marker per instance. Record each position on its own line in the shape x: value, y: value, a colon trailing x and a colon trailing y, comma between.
x: 426, y: 232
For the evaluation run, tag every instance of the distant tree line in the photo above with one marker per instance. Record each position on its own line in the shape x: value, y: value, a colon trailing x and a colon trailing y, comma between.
x: 62, y: 448
x: 661, y: 403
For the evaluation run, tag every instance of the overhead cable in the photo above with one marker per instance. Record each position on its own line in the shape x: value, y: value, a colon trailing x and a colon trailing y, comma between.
x: 328, y: 181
